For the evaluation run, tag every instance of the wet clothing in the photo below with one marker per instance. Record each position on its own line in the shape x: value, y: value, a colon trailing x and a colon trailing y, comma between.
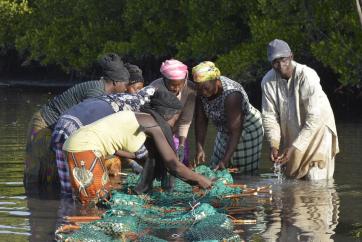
x: 296, y: 112
x: 89, y: 175
x: 86, y: 113
x: 118, y: 131
x: 247, y: 154
x: 39, y: 167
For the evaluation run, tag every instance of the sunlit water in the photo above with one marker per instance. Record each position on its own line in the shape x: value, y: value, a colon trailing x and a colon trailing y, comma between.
x: 299, y: 210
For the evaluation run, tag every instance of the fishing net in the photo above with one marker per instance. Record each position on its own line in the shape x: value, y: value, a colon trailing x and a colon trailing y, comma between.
x: 186, y: 213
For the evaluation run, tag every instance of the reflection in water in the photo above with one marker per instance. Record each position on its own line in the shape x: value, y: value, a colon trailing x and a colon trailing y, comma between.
x: 304, y: 211
x: 300, y: 210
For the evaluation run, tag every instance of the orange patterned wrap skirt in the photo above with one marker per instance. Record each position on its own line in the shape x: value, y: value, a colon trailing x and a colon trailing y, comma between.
x: 88, y: 175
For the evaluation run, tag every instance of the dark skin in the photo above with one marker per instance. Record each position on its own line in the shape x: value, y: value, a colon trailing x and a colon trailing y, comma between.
x: 283, y: 66
x: 166, y: 152
x: 176, y: 86
x: 235, y: 119
x: 134, y: 88
x: 115, y: 86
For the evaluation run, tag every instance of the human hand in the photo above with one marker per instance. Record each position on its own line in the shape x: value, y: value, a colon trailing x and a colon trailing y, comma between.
x: 274, y: 154
x: 286, y: 155
x: 199, y: 158
x: 181, y: 153
x: 221, y: 166
x: 204, y: 182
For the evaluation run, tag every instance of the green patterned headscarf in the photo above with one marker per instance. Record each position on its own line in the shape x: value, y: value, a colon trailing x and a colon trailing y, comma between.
x: 205, y: 71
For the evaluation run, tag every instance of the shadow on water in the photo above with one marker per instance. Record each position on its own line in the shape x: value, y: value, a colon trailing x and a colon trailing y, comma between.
x: 299, y: 211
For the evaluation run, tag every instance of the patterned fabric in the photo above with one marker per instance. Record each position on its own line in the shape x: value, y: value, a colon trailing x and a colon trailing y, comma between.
x: 205, y: 71
x: 141, y: 152
x: 215, y: 109
x: 248, y: 151
x: 89, y: 176
x: 126, y: 101
x: 63, y: 169
x: 68, y: 124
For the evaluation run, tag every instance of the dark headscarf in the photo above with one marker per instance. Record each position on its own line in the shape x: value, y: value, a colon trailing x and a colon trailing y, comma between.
x: 163, y: 104
x: 135, y: 73
x: 113, y: 68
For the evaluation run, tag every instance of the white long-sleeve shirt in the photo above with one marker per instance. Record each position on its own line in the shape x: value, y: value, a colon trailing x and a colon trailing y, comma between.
x: 294, y: 110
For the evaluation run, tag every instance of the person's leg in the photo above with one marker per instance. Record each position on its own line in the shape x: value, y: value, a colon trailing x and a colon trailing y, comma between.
x: 147, y: 176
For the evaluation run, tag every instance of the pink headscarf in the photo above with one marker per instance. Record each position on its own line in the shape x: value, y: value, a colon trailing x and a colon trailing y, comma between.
x: 174, y: 70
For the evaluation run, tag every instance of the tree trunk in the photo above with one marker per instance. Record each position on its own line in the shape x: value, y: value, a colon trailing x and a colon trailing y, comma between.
x: 359, y: 11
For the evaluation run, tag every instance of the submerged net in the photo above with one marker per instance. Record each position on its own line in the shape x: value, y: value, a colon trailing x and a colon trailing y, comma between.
x: 185, y: 213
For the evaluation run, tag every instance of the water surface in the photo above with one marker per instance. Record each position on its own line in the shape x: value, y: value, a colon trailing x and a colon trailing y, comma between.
x: 299, y: 211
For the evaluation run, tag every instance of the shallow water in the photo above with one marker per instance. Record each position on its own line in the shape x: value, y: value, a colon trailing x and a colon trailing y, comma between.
x: 299, y: 210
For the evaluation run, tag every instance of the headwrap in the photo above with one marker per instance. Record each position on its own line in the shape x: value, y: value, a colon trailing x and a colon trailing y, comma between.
x: 174, y: 70
x: 205, y: 71
x: 278, y: 48
x: 135, y: 73
x: 113, y: 68
x: 163, y: 103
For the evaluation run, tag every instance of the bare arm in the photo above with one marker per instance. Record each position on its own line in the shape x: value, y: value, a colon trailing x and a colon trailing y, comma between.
x: 201, y: 122
x: 125, y: 154
x: 171, y: 161
x: 235, y: 120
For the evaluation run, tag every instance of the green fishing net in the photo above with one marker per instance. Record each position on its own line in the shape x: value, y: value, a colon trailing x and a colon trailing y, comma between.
x: 184, y: 214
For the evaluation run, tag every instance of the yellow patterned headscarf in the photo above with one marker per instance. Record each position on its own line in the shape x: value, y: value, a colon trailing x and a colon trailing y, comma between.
x: 205, y: 71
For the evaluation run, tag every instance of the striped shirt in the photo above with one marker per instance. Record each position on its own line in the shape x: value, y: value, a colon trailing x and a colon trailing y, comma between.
x: 74, y: 95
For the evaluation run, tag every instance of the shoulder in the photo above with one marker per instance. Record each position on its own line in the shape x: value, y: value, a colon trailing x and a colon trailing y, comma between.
x: 89, y: 84
x: 190, y: 88
x: 268, y: 78
x: 307, y: 74
x: 146, y: 120
x: 158, y: 82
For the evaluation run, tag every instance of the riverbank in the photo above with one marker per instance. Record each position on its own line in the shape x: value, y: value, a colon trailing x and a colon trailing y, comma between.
x: 345, y: 102
x: 32, y: 83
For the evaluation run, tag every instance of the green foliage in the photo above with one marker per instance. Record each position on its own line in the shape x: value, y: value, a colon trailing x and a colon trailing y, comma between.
x: 72, y: 34
x: 11, y: 13
x: 357, y: 230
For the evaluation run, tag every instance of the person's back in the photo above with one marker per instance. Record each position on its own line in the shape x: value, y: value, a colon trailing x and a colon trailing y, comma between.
x: 39, y: 168
x: 118, y: 131
x: 74, y: 95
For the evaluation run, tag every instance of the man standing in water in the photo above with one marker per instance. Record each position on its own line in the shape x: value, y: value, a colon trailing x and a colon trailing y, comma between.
x: 297, y: 117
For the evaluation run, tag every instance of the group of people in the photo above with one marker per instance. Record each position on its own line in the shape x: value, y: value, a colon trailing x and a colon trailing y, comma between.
x: 75, y: 137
